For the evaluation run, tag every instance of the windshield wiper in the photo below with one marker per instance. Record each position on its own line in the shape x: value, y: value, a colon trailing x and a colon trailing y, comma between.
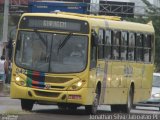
x: 64, y: 41
x: 40, y: 36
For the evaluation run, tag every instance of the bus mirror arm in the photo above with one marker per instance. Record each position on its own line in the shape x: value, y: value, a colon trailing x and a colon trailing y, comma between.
x: 95, y: 40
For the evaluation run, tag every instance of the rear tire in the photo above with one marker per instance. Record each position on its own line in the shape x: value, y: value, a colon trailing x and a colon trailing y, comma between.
x: 124, y: 108
x: 127, y: 108
x: 92, y: 109
x: 116, y: 108
x: 27, y: 105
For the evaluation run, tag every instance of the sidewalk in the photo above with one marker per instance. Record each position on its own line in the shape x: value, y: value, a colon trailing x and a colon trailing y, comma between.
x: 4, y: 90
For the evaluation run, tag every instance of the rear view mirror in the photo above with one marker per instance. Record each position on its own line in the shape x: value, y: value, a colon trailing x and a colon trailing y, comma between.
x: 94, y: 38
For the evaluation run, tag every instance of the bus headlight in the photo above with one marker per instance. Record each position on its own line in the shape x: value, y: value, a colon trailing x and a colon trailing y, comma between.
x: 19, y: 81
x: 77, y: 85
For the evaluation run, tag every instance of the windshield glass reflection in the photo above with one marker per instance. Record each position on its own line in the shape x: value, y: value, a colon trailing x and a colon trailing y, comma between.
x: 40, y: 52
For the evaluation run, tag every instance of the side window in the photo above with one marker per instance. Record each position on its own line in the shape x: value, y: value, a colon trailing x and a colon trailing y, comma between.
x: 124, y: 43
x: 139, y: 47
x: 116, y: 45
x: 93, y: 53
x: 101, y: 44
x: 116, y: 38
x: 107, y: 45
x: 147, y: 47
x: 107, y: 37
x: 131, y: 47
x: 132, y: 39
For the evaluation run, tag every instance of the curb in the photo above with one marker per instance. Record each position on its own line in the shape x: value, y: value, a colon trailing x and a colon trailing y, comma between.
x: 4, y: 95
x: 4, y: 90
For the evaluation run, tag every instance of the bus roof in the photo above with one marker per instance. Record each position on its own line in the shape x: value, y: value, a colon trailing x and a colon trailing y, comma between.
x: 110, y: 22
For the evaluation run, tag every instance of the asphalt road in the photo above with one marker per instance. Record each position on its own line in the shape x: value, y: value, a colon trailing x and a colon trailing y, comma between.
x: 10, y: 110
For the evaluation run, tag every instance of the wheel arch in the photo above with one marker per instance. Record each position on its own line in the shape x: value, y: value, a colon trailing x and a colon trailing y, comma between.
x: 98, y: 86
x: 132, y: 86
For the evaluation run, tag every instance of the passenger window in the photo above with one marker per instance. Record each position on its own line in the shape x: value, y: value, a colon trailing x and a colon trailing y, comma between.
x: 139, y: 54
x: 116, y: 45
x: 139, y: 40
x: 124, y: 40
x: 139, y: 47
x: 100, y: 41
x: 101, y: 44
x: 131, y: 47
x: 93, y: 53
x: 147, y: 47
x: 124, y: 43
x: 147, y: 41
x: 147, y: 55
x: 131, y: 54
x: 107, y: 45
x: 116, y: 37
x: 108, y: 37
x: 115, y: 52
x: 131, y: 39
x: 107, y: 52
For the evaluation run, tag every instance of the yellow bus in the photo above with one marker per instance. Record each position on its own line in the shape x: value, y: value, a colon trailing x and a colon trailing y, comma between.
x: 74, y: 60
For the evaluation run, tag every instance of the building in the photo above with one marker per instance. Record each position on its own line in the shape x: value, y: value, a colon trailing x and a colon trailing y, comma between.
x: 140, y: 7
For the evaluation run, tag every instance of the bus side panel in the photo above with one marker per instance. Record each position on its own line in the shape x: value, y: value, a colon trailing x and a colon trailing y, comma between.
x: 147, y: 76
x: 147, y: 81
x: 136, y: 78
x: 116, y: 96
x: 117, y: 84
x: 142, y: 79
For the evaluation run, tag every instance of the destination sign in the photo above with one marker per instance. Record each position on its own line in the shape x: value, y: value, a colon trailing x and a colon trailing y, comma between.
x: 58, y: 24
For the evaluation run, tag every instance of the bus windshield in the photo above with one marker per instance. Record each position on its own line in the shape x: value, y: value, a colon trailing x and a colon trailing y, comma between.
x: 42, y: 52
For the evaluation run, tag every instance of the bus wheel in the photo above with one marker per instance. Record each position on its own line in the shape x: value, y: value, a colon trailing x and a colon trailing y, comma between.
x: 115, y: 108
x: 27, y: 105
x: 62, y: 106
x: 92, y: 109
x: 67, y: 107
x: 72, y: 107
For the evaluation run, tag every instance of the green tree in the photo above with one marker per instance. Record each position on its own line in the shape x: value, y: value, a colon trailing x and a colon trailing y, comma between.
x: 153, y: 13
x: 154, y: 16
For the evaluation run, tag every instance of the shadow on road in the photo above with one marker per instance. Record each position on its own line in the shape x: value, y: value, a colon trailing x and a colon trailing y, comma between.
x: 68, y: 112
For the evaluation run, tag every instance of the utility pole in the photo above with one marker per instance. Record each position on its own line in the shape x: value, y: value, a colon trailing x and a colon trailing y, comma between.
x: 5, y: 26
x: 5, y: 21
x: 5, y: 35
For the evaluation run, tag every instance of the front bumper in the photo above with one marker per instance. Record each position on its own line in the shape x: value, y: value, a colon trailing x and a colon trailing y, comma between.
x: 86, y: 95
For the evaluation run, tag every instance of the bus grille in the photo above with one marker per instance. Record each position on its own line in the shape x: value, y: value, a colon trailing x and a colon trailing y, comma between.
x: 46, y: 94
x: 57, y: 79
x: 40, y: 80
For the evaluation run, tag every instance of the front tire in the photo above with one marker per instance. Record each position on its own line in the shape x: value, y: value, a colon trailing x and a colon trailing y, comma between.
x: 27, y: 105
x: 92, y: 109
x: 67, y: 107
x: 116, y: 108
